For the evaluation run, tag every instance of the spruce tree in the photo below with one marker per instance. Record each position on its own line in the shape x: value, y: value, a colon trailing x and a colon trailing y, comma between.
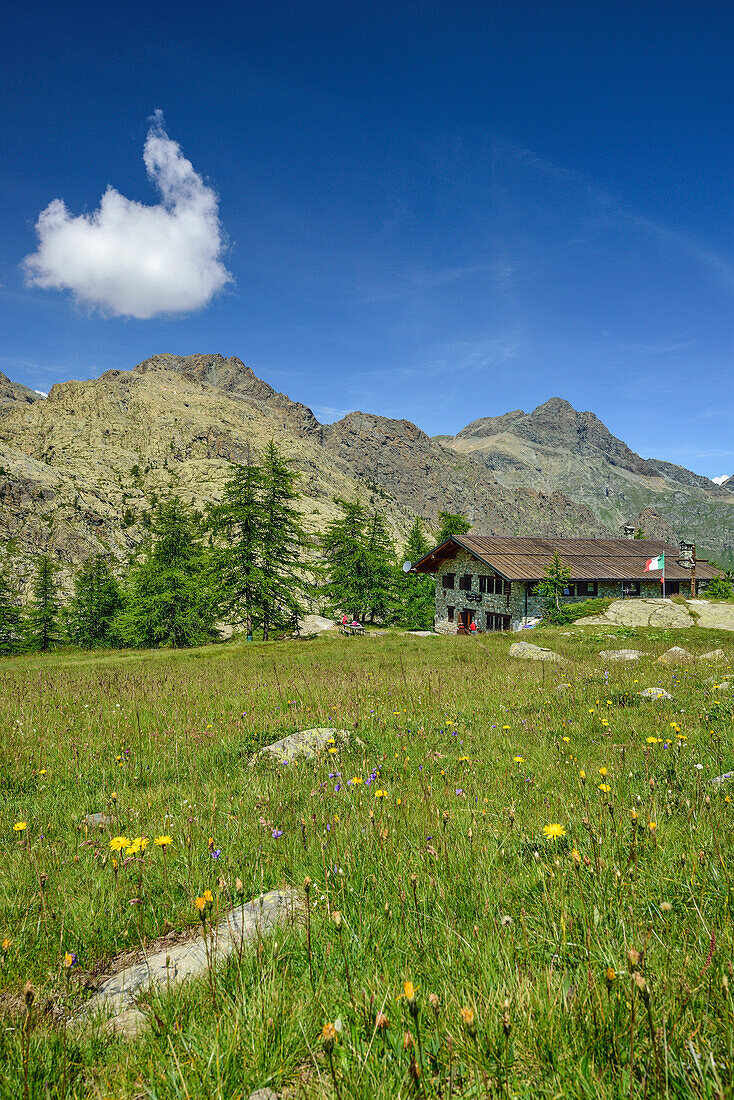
x: 381, y: 592
x: 93, y: 606
x: 451, y: 524
x: 238, y: 523
x: 9, y: 618
x: 346, y: 560
x: 416, y: 591
x: 41, y: 624
x: 283, y: 542
x: 169, y: 598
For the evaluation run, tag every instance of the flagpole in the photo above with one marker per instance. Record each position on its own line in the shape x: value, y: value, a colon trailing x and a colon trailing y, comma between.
x: 663, y: 576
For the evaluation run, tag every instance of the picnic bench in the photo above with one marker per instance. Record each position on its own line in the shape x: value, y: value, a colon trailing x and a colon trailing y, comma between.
x: 349, y: 629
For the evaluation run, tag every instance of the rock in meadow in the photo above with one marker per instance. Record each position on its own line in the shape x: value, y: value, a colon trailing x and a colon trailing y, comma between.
x: 304, y: 745
x: 621, y: 654
x: 714, y: 655
x: 99, y: 821
x: 654, y: 693
x: 118, y: 995
x: 718, y: 780
x: 526, y: 651
x: 264, y: 1094
x: 676, y: 656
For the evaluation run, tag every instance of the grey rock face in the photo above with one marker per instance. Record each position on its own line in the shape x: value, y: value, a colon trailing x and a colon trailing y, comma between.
x: 714, y: 655
x: 118, y: 995
x: 654, y: 693
x: 621, y: 654
x: 528, y: 652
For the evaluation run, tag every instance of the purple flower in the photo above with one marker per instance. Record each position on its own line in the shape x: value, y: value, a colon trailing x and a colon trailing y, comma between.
x: 459, y: 790
x: 337, y: 788
x: 216, y: 853
x: 277, y: 833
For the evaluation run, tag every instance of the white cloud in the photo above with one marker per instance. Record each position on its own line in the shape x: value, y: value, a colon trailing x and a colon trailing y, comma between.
x: 132, y: 260
x: 41, y: 393
x: 722, y: 479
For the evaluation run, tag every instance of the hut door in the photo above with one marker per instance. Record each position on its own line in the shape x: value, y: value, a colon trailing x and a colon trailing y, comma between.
x: 464, y: 621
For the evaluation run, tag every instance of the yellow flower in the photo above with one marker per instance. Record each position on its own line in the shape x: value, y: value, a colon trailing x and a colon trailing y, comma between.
x: 582, y: 774
x: 554, y: 831
x: 208, y: 897
x: 409, y: 992
x: 519, y: 759
x: 467, y: 1015
x: 602, y: 771
x: 68, y: 960
x: 611, y: 974
x: 118, y: 843
x: 132, y: 849
x: 634, y: 814
x: 605, y: 787
x: 462, y: 759
x: 20, y: 826
x: 42, y: 771
x: 162, y: 841
x: 576, y: 855
x: 200, y: 904
x: 5, y: 945
x: 566, y: 738
x: 380, y: 794
x: 356, y: 780
x: 652, y: 740
x: 652, y: 826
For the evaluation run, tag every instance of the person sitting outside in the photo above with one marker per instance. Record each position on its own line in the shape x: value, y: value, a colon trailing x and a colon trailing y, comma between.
x: 473, y: 626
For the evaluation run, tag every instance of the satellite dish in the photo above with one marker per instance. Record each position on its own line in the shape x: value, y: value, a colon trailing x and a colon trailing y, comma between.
x: 407, y: 566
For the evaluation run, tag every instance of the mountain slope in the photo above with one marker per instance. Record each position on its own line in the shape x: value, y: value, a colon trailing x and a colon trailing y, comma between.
x: 557, y: 448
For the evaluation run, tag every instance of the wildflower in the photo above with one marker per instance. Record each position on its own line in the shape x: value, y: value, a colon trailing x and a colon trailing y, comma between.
x: 380, y: 794
x: 5, y: 945
x: 163, y: 841
x: 652, y: 826
x: 605, y: 788
x: 409, y: 992
x: 276, y: 833
x: 602, y: 771
x: 575, y: 855
x: 20, y: 826
x: 200, y: 904
x: 611, y: 975
x: 566, y: 739
x: 355, y: 781
x: 462, y: 759
x: 582, y: 775
x: 467, y: 1015
x: 118, y: 843
x: 69, y: 960
x: 328, y: 1037
x: 208, y: 897
x: 381, y: 1021
x: 553, y: 831
x: 519, y: 759
x: 634, y: 815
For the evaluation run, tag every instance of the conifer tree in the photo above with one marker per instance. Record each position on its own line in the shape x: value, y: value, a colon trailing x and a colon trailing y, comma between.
x: 346, y: 560
x: 169, y: 599
x: 93, y: 606
x: 451, y: 524
x: 41, y: 623
x: 283, y: 542
x: 239, y: 524
x: 416, y: 591
x: 380, y: 548
x: 9, y: 618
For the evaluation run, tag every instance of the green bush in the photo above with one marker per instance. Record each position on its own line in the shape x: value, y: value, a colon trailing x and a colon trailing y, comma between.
x: 570, y: 612
x: 719, y: 589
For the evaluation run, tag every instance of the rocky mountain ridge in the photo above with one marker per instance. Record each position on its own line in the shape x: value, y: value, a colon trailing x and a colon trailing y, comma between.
x: 81, y: 471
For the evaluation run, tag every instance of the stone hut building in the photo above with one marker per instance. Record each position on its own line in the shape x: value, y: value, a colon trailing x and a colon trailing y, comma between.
x: 491, y: 581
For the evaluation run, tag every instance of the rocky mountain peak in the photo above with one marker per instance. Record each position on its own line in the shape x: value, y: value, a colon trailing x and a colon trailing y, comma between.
x: 558, y: 426
x: 12, y: 392
x: 235, y: 378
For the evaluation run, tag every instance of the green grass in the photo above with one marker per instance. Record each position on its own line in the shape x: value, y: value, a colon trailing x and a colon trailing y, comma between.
x: 447, y: 882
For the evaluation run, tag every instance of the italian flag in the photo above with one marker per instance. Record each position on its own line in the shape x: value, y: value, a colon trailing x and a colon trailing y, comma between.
x: 653, y: 564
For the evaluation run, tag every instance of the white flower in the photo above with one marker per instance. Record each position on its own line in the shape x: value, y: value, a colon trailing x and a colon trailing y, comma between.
x: 698, y: 767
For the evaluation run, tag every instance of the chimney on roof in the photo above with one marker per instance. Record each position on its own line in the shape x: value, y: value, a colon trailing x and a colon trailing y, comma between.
x: 629, y: 530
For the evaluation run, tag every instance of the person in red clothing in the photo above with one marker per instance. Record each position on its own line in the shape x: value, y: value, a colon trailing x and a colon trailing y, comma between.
x: 473, y: 626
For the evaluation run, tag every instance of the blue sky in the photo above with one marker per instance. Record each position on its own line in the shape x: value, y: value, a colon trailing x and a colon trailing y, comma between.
x: 437, y: 211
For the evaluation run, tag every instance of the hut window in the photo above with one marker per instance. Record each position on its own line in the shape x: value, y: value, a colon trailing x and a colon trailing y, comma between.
x: 485, y: 584
x: 569, y: 590
x: 465, y: 582
x: 448, y: 580
x: 450, y: 614
x: 588, y: 588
